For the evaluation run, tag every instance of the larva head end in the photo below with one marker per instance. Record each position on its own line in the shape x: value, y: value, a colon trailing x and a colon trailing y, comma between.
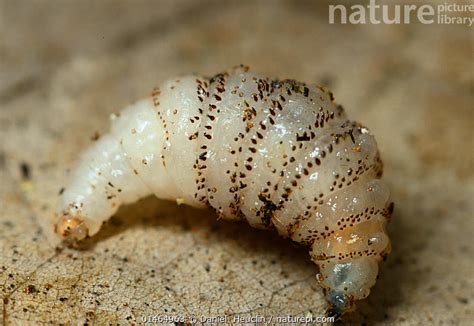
x: 339, y: 305
x: 330, y: 312
x: 71, y: 229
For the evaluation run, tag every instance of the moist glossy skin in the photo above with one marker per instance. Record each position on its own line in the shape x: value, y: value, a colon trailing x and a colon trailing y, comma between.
x: 279, y: 154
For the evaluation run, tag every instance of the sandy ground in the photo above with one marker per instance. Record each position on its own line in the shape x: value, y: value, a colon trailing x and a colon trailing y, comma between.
x: 64, y: 68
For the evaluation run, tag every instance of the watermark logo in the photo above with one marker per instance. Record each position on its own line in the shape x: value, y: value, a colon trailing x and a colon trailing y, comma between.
x: 376, y: 13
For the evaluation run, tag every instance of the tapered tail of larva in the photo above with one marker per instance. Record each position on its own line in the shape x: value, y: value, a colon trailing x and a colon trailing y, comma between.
x: 93, y: 196
x: 71, y: 229
x: 105, y: 178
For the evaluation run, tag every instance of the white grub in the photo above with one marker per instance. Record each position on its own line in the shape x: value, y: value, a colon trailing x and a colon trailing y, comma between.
x: 278, y: 153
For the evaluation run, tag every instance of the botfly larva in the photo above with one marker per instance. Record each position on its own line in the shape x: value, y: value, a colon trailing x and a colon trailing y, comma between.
x: 278, y: 153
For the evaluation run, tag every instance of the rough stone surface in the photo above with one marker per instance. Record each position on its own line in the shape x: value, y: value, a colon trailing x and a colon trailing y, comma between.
x: 65, y: 67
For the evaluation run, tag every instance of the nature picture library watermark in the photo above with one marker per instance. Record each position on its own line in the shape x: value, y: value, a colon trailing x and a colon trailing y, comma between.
x: 379, y: 12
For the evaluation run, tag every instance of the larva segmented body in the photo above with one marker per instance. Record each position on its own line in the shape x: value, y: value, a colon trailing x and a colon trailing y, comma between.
x: 279, y: 154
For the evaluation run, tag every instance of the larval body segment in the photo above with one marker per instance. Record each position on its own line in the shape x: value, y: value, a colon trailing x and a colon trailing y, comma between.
x: 279, y: 154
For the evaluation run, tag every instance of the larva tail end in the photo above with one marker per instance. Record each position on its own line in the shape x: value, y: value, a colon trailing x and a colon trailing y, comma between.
x: 71, y: 229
